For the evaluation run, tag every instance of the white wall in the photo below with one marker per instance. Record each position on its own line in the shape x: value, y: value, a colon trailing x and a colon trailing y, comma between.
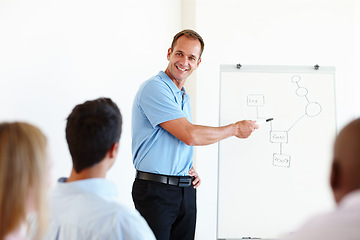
x: 262, y: 32
x: 56, y: 54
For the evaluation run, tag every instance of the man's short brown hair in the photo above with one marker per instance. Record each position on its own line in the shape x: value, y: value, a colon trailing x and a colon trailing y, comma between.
x: 191, y: 34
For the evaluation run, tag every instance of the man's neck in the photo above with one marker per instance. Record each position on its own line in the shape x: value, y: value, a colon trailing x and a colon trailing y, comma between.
x: 87, y: 173
x: 178, y: 83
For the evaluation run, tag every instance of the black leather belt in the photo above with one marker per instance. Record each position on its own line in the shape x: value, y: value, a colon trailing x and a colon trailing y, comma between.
x: 180, y: 181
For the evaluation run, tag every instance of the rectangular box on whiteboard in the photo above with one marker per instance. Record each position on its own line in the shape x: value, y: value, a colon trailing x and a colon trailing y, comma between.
x: 278, y: 137
x: 255, y: 100
x: 271, y: 182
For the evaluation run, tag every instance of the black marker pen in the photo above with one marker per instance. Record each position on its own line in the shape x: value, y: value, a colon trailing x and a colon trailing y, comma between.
x: 262, y: 121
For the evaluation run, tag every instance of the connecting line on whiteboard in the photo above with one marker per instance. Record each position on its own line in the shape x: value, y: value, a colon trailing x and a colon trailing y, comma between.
x: 296, y: 122
x: 257, y: 113
x: 301, y: 91
x: 312, y: 109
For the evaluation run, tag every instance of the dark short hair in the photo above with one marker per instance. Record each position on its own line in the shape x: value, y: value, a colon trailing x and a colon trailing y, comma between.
x: 190, y: 34
x: 91, y: 130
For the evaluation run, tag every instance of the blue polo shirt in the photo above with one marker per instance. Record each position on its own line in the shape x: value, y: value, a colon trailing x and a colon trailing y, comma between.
x: 154, y: 149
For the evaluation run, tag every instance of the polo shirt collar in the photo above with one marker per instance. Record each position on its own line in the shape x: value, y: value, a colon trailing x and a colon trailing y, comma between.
x: 169, y: 82
x: 96, y: 186
x: 352, y: 199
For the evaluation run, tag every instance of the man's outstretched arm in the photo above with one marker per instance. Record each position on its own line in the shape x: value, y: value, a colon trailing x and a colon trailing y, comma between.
x: 198, y: 135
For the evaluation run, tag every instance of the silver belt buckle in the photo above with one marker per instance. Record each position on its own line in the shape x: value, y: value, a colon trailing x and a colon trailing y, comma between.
x: 184, y: 182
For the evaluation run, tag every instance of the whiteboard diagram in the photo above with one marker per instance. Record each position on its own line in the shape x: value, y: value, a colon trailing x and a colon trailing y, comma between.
x: 269, y: 183
x: 312, y: 109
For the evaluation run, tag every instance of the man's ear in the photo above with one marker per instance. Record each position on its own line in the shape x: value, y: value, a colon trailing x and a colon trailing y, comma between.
x: 334, y: 176
x: 114, y: 150
x: 198, y: 63
x: 169, y: 53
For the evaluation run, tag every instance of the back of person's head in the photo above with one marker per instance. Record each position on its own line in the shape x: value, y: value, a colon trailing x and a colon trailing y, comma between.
x: 23, y: 176
x: 91, y: 130
x: 345, y: 175
x: 190, y: 34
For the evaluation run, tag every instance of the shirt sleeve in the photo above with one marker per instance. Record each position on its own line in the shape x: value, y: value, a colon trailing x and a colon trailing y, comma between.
x: 159, y: 104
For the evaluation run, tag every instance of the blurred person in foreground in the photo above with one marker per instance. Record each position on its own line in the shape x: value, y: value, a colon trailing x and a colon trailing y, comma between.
x: 24, y: 181
x: 344, y: 221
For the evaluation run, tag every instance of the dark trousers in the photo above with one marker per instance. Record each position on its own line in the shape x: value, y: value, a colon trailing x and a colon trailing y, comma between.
x: 169, y: 210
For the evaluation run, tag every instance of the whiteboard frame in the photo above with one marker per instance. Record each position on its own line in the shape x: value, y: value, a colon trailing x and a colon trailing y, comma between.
x: 268, y: 69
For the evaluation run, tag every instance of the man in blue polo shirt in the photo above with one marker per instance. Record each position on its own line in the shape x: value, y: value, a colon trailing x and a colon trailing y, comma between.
x: 163, y: 137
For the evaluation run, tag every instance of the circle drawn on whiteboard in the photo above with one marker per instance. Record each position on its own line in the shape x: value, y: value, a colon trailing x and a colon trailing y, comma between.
x: 295, y: 78
x: 313, y: 109
x: 301, y: 92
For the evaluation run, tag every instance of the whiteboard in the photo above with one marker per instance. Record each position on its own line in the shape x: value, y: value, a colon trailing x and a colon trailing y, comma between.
x: 270, y: 183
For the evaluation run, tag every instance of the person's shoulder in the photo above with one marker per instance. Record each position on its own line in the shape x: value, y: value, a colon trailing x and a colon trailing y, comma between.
x: 129, y: 222
x: 122, y: 210
x: 59, y: 189
x: 326, y: 220
x: 320, y: 226
x: 156, y: 82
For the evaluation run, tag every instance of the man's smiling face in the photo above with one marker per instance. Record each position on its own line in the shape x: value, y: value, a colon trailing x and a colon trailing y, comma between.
x: 184, y: 58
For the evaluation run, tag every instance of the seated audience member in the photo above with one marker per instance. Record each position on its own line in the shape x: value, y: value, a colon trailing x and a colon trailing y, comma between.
x: 344, y: 221
x: 85, y: 205
x: 24, y: 180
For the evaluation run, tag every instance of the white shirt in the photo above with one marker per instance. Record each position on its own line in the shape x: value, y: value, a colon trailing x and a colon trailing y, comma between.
x: 343, y: 223
x: 89, y: 209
